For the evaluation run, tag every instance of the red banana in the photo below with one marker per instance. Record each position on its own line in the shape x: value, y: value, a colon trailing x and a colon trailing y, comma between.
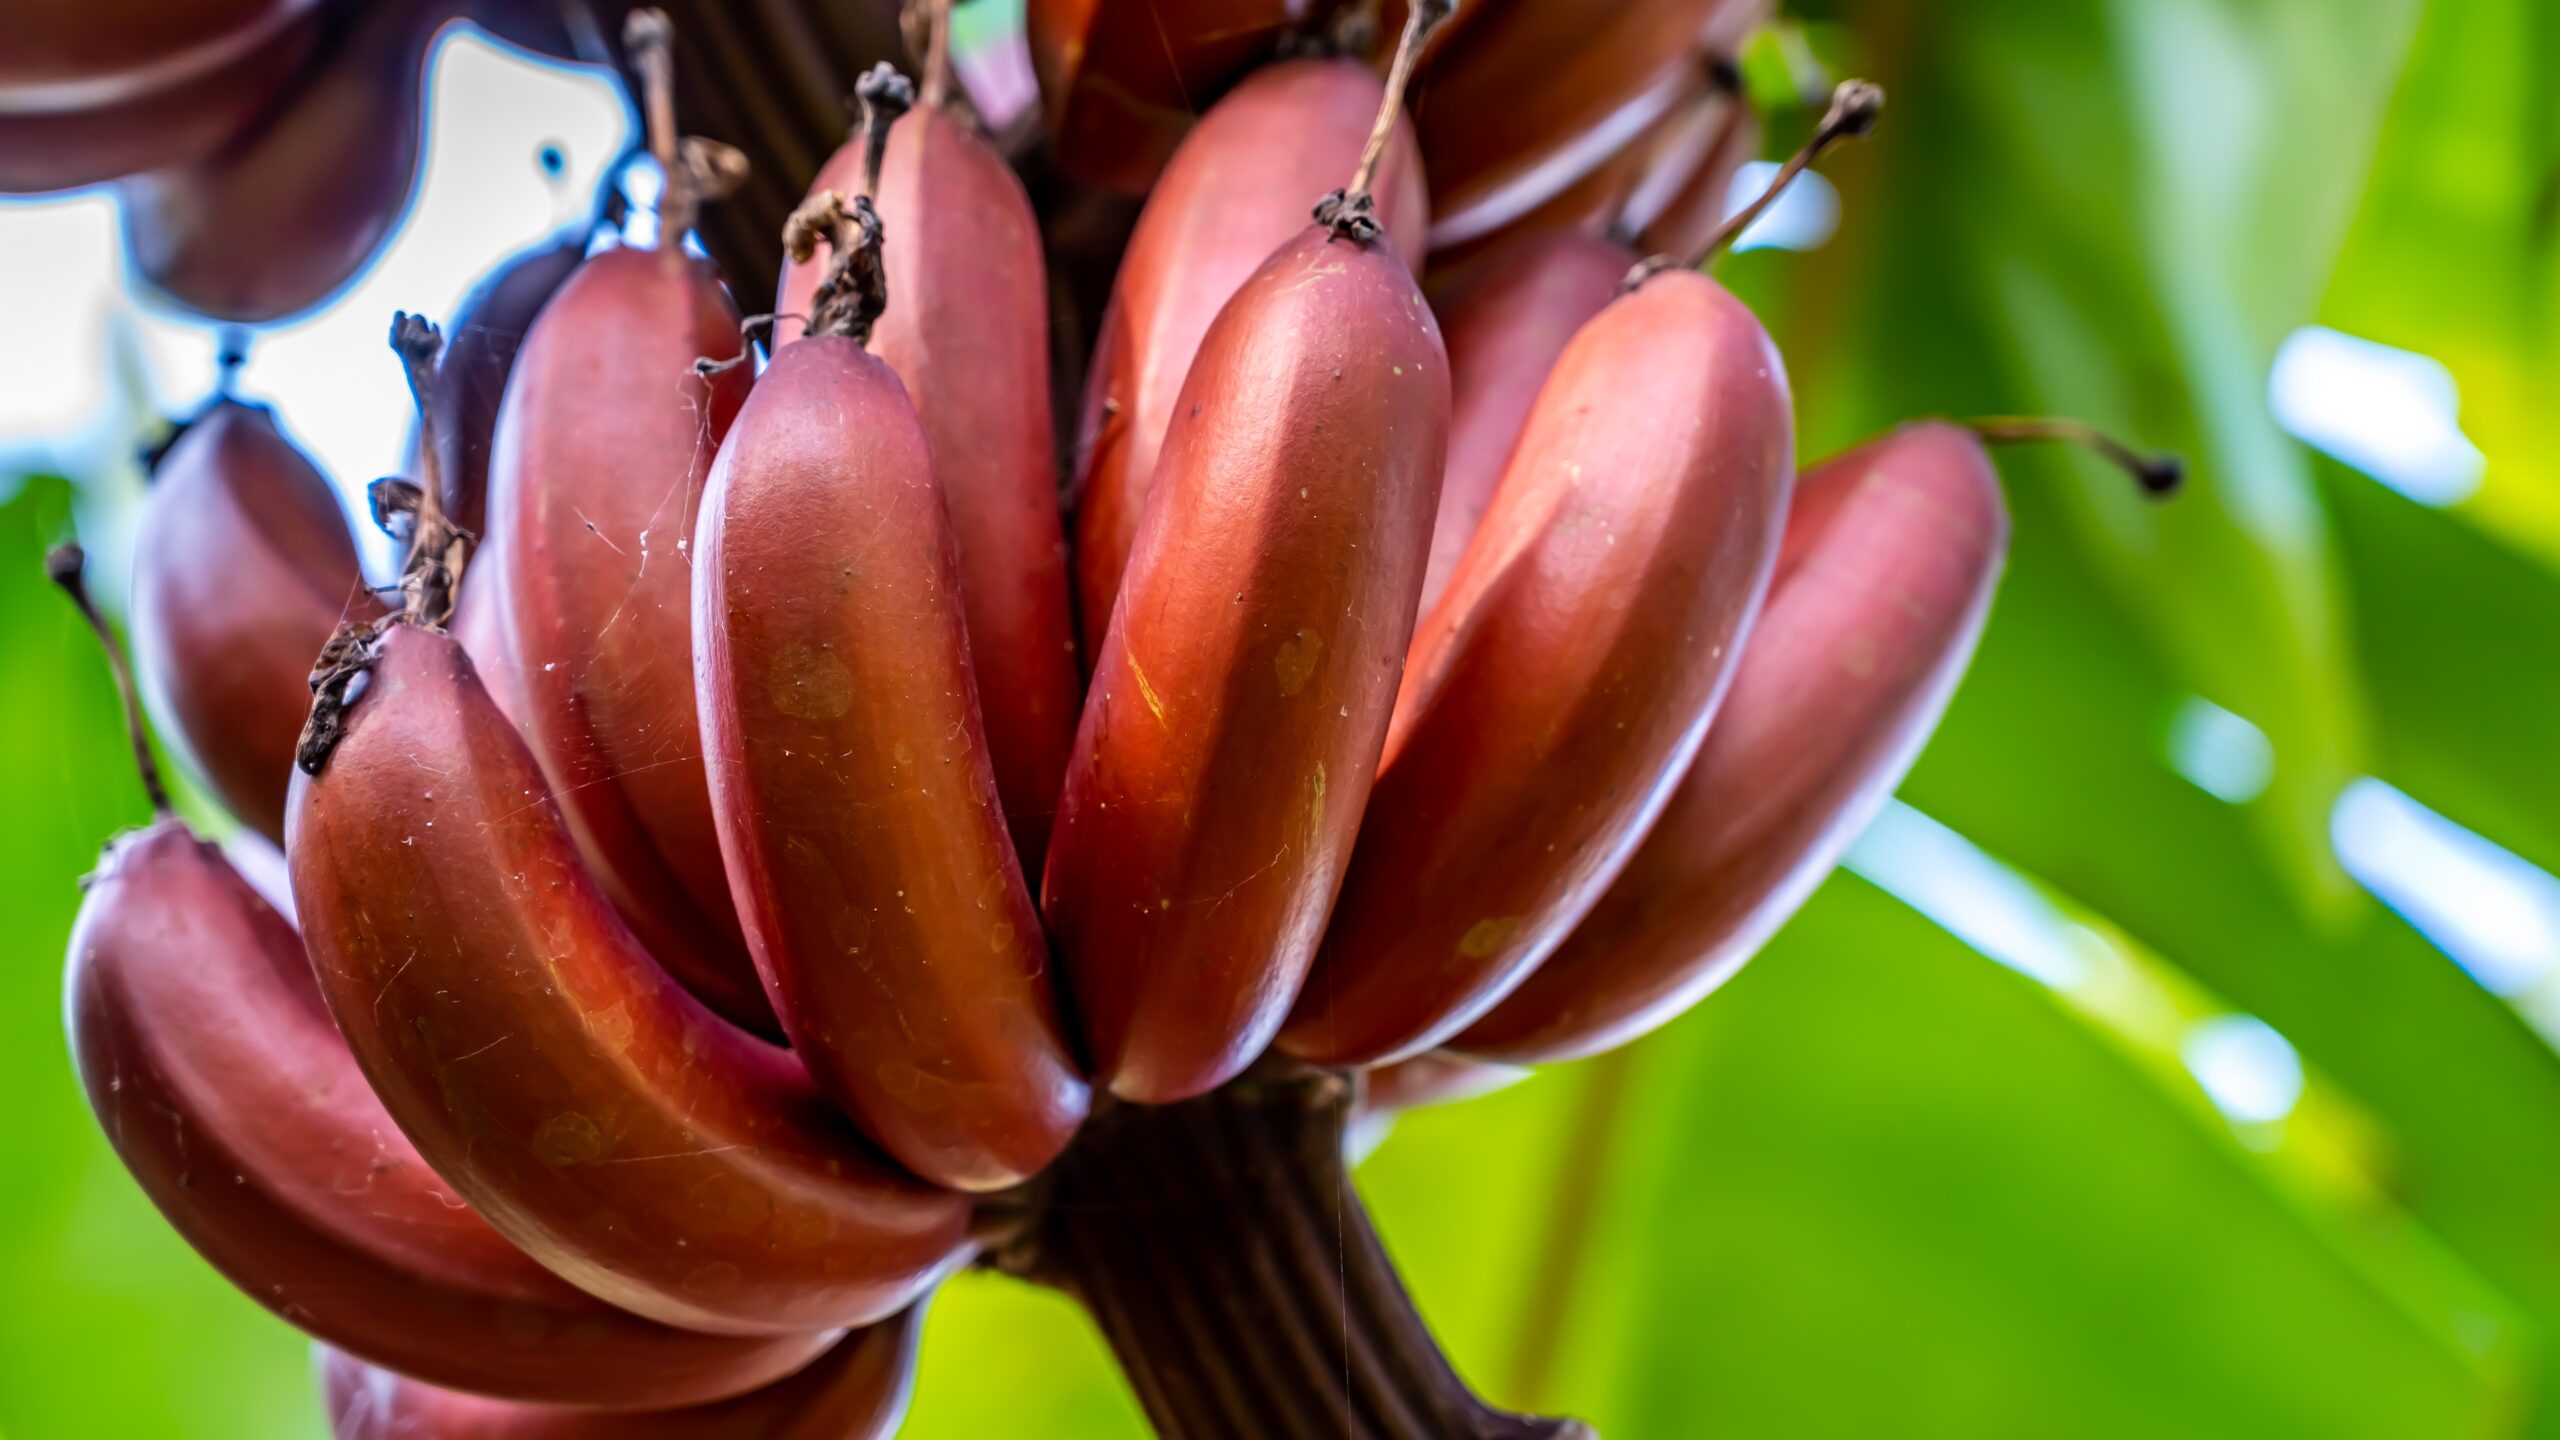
x: 284, y: 215
x: 1619, y: 192
x: 599, y: 1116
x: 1241, y: 696
x: 603, y: 444
x: 858, y: 809
x: 57, y: 56
x: 1591, y: 630
x: 1531, y: 100
x: 189, y: 119
x: 242, y: 568
x: 856, y: 1391
x: 1507, y: 314
x: 220, y: 1079
x: 1123, y: 80
x: 1509, y: 308
x: 1569, y: 673
x: 1687, y: 191
x: 1891, y: 557
x: 604, y: 439
x: 488, y: 329
x: 1234, y: 193
x: 967, y: 331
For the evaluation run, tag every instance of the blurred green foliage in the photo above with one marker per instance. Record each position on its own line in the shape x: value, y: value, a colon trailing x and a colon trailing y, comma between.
x: 1879, y: 1185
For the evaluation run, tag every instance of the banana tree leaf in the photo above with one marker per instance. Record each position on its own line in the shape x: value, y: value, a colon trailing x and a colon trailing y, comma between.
x: 2119, y: 211
x: 2053, y: 757
x: 1882, y: 1186
x: 2456, y: 253
x: 2461, y: 635
x: 104, y: 1291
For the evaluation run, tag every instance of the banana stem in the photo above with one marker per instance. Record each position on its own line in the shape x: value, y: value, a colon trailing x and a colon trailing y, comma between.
x: 937, y: 53
x: 1222, y: 1250
x: 1854, y: 108
x: 67, y: 565
x: 2160, y: 476
x: 650, y: 41
x: 854, y: 292
x: 432, y: 572
x: 1352, y: 212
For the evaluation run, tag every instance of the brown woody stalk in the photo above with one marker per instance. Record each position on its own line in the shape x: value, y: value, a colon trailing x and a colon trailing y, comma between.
x: 1223, y: 1252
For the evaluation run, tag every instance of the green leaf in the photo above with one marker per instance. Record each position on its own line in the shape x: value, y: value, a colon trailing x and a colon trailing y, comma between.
x: 2118, y: 212
x: 2456, y: 254
x: 1006, y: 1358
x: 1881, y: 1186
x: 118, y: 1330
x: 2052, y: 757
x: 2461, y: 635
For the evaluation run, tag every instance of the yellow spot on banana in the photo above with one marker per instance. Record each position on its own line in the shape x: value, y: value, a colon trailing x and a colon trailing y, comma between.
x: 1486, y: 936
x: 1147, y: 691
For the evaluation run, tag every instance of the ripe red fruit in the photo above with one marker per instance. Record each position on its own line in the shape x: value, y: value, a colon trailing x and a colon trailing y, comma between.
x: 604, y: 439
x: 880, y: 889
x: 61, y: 57
x: 1241, y: 696
x: 1123, y: 80
x: 1685, y: 193
x: 604, y: 443
x: 98, y: 138
x: 967, y: 332
x: 856, y: 1391
x: 1565, y: 681
x: 1508, y: 314
x: 857, y: 804
x: 1527, y: 102
x: 221, y: 1081
x: 242, y: 568
x: 488, y: 328
x: 1622, y: 191
x: 597, y: 1114
x: 1891, y: 557
x: 1234, y: 193
x: 284, y: 215
x: 1568, y: 675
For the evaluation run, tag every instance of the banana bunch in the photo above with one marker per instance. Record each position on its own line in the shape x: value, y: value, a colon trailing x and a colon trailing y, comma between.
x: 768, y: 853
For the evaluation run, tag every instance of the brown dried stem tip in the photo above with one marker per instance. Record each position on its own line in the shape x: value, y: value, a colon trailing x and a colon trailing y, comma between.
x: 415, y: 339
x: 438, y: 548
x: 854, y: 292
x: 412, y: 513
x: 64, y: 564
x: 926, y: 26
x: 348, y: 654
x: 1855, y: 108
x: 1351, y: 213
x: 649, y: 38
x: 885, y: 95
x: 695, y: 169
x: 2160, y: 476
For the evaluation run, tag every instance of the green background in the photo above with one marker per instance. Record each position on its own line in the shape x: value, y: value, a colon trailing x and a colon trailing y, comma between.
x: 1880, y: 1185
